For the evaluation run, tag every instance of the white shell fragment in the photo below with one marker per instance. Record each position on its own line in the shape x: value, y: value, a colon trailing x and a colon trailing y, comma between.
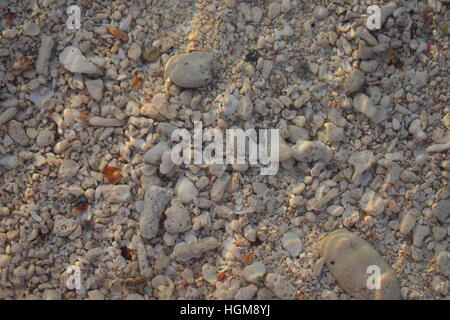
x: 187, y: 251
x: 116, y: 193
x: 73, y: 60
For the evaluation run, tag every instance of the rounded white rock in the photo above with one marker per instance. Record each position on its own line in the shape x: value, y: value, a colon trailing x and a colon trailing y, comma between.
x: 185, y: 190
x: 190, y: 70
x: 31, y: 29
x: 292, y: 244
x: 254, y: 272
x: 45, y: 138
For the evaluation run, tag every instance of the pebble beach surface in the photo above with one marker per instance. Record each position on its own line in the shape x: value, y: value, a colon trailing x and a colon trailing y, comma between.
x: 92, y: 205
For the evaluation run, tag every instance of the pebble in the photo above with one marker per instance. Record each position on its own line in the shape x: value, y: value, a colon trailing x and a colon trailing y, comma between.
x: 134, y: 296
x: 178, y: 219
x: 9, y: 33
x: 209, y: 273
x: 68, y: 169
x: 185, y: 190
x: 51, y: 294
x: 335, y: 211
x: 246, y: 293
x: 95, y: 88
x: 41, y: 96
x: 138, y: 244
x: 354, y: 81
x: 151, y: 54
x: 328, y: 295
x: 363, y: 104
x: 116, y: 193
x: 442, y: 210
x: 292, y: 243
x: 369, y: 66
x: 105, y: 122
x: 135, y: 52
x: 419, y: 234
x: 95, y: 295
x: 387, y: 11
x: 280, y: 286
x: 190, y: 70
x: 166, y: 165
x: 443, y: 263
x: 9, y: 161
x: 230, y: 250
x: 20, y: 272
x: 45, y: 138
x: 8, y: 114
x: 63, y: 226
x: 154, y: 154
x: 257, y: 14
x: 155, y: 201
x: 274, y: 10
x: 348, y: 257
x: 311, y: 151
x: 396, y: 124
x: 285, y: 152
x: 439, y: 233
x: 4, y: 211
x: 94, y: 253
x: 125, y: 23
x: 73, y: 60
x: 44, y: 54
x: 187, y: 251
x: 407, y: 224
x: 364, y: 34
x: 438, y: 147
x: 4, y: 260
x: 320, y: 12
x: 219, y: 187
x: 17, y: 133
x: 333, y: 133
x: 286, y: 6
x: 245, y: 108
x: 361, y: 161
x: 371, y: 203
x: 254, y: 272
x: 31, y: 29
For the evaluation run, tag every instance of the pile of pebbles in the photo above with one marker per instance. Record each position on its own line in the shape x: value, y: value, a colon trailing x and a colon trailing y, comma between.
x: 87, y: 180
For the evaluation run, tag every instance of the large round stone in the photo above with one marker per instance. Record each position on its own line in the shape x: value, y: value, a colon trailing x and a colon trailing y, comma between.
x: 356, y: 265
x: 190, y: 70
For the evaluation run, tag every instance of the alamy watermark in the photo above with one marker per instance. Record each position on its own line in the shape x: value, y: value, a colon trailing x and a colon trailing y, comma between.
x: 74, y: 17
x: 373, y: 22
x: 73, y: 281
x: 374, y: 280
x: 261, y: 147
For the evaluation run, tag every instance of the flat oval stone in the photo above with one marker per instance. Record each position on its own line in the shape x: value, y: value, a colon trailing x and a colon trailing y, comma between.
x: 354, y: 81
x: 350, y: 260
x: 190, y: 70
x: 17, y: 132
